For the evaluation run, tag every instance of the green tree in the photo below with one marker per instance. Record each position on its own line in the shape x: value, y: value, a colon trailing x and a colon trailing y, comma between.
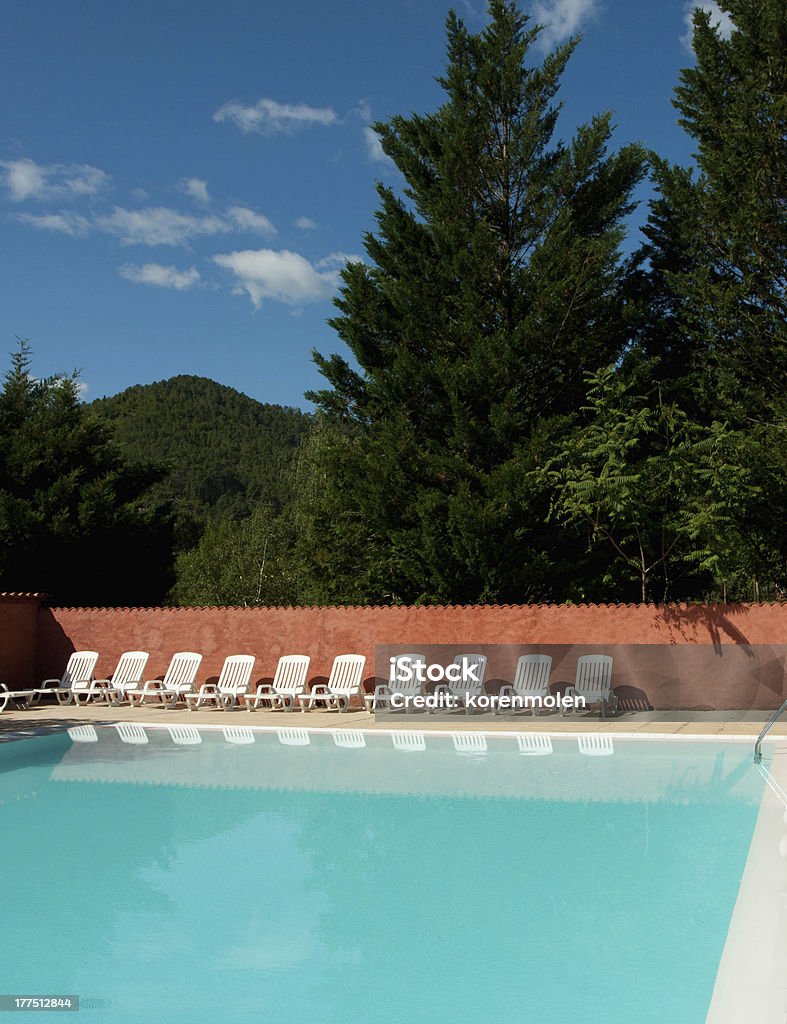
x: 494, y: 286
x: 70, y: 521
x: 660, y: 492
x: 238, y: 563
x: 713, y: 291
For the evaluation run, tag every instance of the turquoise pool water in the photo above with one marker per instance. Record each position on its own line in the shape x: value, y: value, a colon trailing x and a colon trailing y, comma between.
x: 300, y: 882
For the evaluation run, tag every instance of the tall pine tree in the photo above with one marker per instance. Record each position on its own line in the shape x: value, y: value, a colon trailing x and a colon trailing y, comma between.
x: 494, y: 287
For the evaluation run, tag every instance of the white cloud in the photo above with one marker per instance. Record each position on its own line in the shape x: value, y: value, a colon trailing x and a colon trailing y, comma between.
x: 139, y: 195
x: 374, y: 148
x: 25, y: 179
x: 305, y: 224
x: 281, y: 275
x: 160, y: 276
x: 718, y: 18
x: 268, y: 117
x: 158, y: 225
x: 248, y: 220
x: 65, y: 222
x: 195, y: 188
x: 561, y: 19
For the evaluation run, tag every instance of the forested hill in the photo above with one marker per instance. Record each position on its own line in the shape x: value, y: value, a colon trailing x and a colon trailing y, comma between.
x: 224, y: 452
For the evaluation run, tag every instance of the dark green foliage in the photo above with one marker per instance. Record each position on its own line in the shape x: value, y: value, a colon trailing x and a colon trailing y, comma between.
x: 71, y: 521
x: 223, y: 452
x: 495, y: 287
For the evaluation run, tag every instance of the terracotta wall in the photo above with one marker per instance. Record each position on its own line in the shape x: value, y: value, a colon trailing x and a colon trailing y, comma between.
x: 665, y: 657
x: 18, y: 622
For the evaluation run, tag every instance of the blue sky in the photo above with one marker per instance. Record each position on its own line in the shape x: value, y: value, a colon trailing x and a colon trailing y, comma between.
x: 180, y: 181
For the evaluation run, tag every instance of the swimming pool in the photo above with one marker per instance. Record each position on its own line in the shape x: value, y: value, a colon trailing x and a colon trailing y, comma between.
x: 320, y: 877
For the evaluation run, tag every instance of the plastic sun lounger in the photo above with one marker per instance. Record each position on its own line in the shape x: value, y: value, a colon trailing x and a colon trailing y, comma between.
x: 26, y: 697
x: 594, y: 682
x: 462, y: 689
x: 289, y: 682
x: 126, y: 678
x: 345, y: 682
x: 383, y: 692
x: 77, y: 678
x: 178, y: 680
x: 531, y: 680
x: 233, y: 682
x: 534, y: 745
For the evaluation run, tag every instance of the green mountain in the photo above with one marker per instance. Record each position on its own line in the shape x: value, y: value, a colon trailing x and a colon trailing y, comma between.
x: 223, y: 453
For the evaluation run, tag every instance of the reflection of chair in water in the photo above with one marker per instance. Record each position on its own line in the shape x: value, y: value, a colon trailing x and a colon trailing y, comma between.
x: 409, y: 742
x: 534, y: 744
x: 184, y: 735
x: 238, y: 734
x: 294, y: 737
x: 131, y: 733
x: 351, y: 738
x: 469, y: 743
x: 83, y: 734
x: 595, y: 745
x: 531, y: 680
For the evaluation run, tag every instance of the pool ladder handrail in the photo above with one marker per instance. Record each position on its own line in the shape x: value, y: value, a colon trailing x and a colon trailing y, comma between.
x: 765, y: 730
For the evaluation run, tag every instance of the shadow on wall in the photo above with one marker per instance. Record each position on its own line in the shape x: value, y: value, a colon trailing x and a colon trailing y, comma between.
x: 690, y: 620
x: 51, y: 658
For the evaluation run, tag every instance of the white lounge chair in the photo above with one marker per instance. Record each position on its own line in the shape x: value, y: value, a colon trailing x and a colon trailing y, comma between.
x: 288, y: 683
x: 466, y: 687
x: 178, y: 679
x: 345, y: 682
x: 232, y: 683
x: 531, y: 681
x: 77, y: 678
x: 594, y: 683
x: 127, y: 677
x: 406, y: 688
x: 25, y: 697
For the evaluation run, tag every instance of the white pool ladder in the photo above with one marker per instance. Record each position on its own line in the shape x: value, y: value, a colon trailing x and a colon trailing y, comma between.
x: 766, y: 729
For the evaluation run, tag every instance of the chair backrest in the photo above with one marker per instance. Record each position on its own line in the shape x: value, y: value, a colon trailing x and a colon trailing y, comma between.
x: 476, y: 662
x: 291, y: 672
x: 534, y: 743
x: 131, y: 733
x: 79, y: 670
x: 130, y: 668
x: 346, y: 673
x: 532, y: 674
x: 595, y: 745
x: 182, y: 669
x: 594, y: 674
x: 412, y: 686
x: 235, y: 673
x: 184, y: 734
